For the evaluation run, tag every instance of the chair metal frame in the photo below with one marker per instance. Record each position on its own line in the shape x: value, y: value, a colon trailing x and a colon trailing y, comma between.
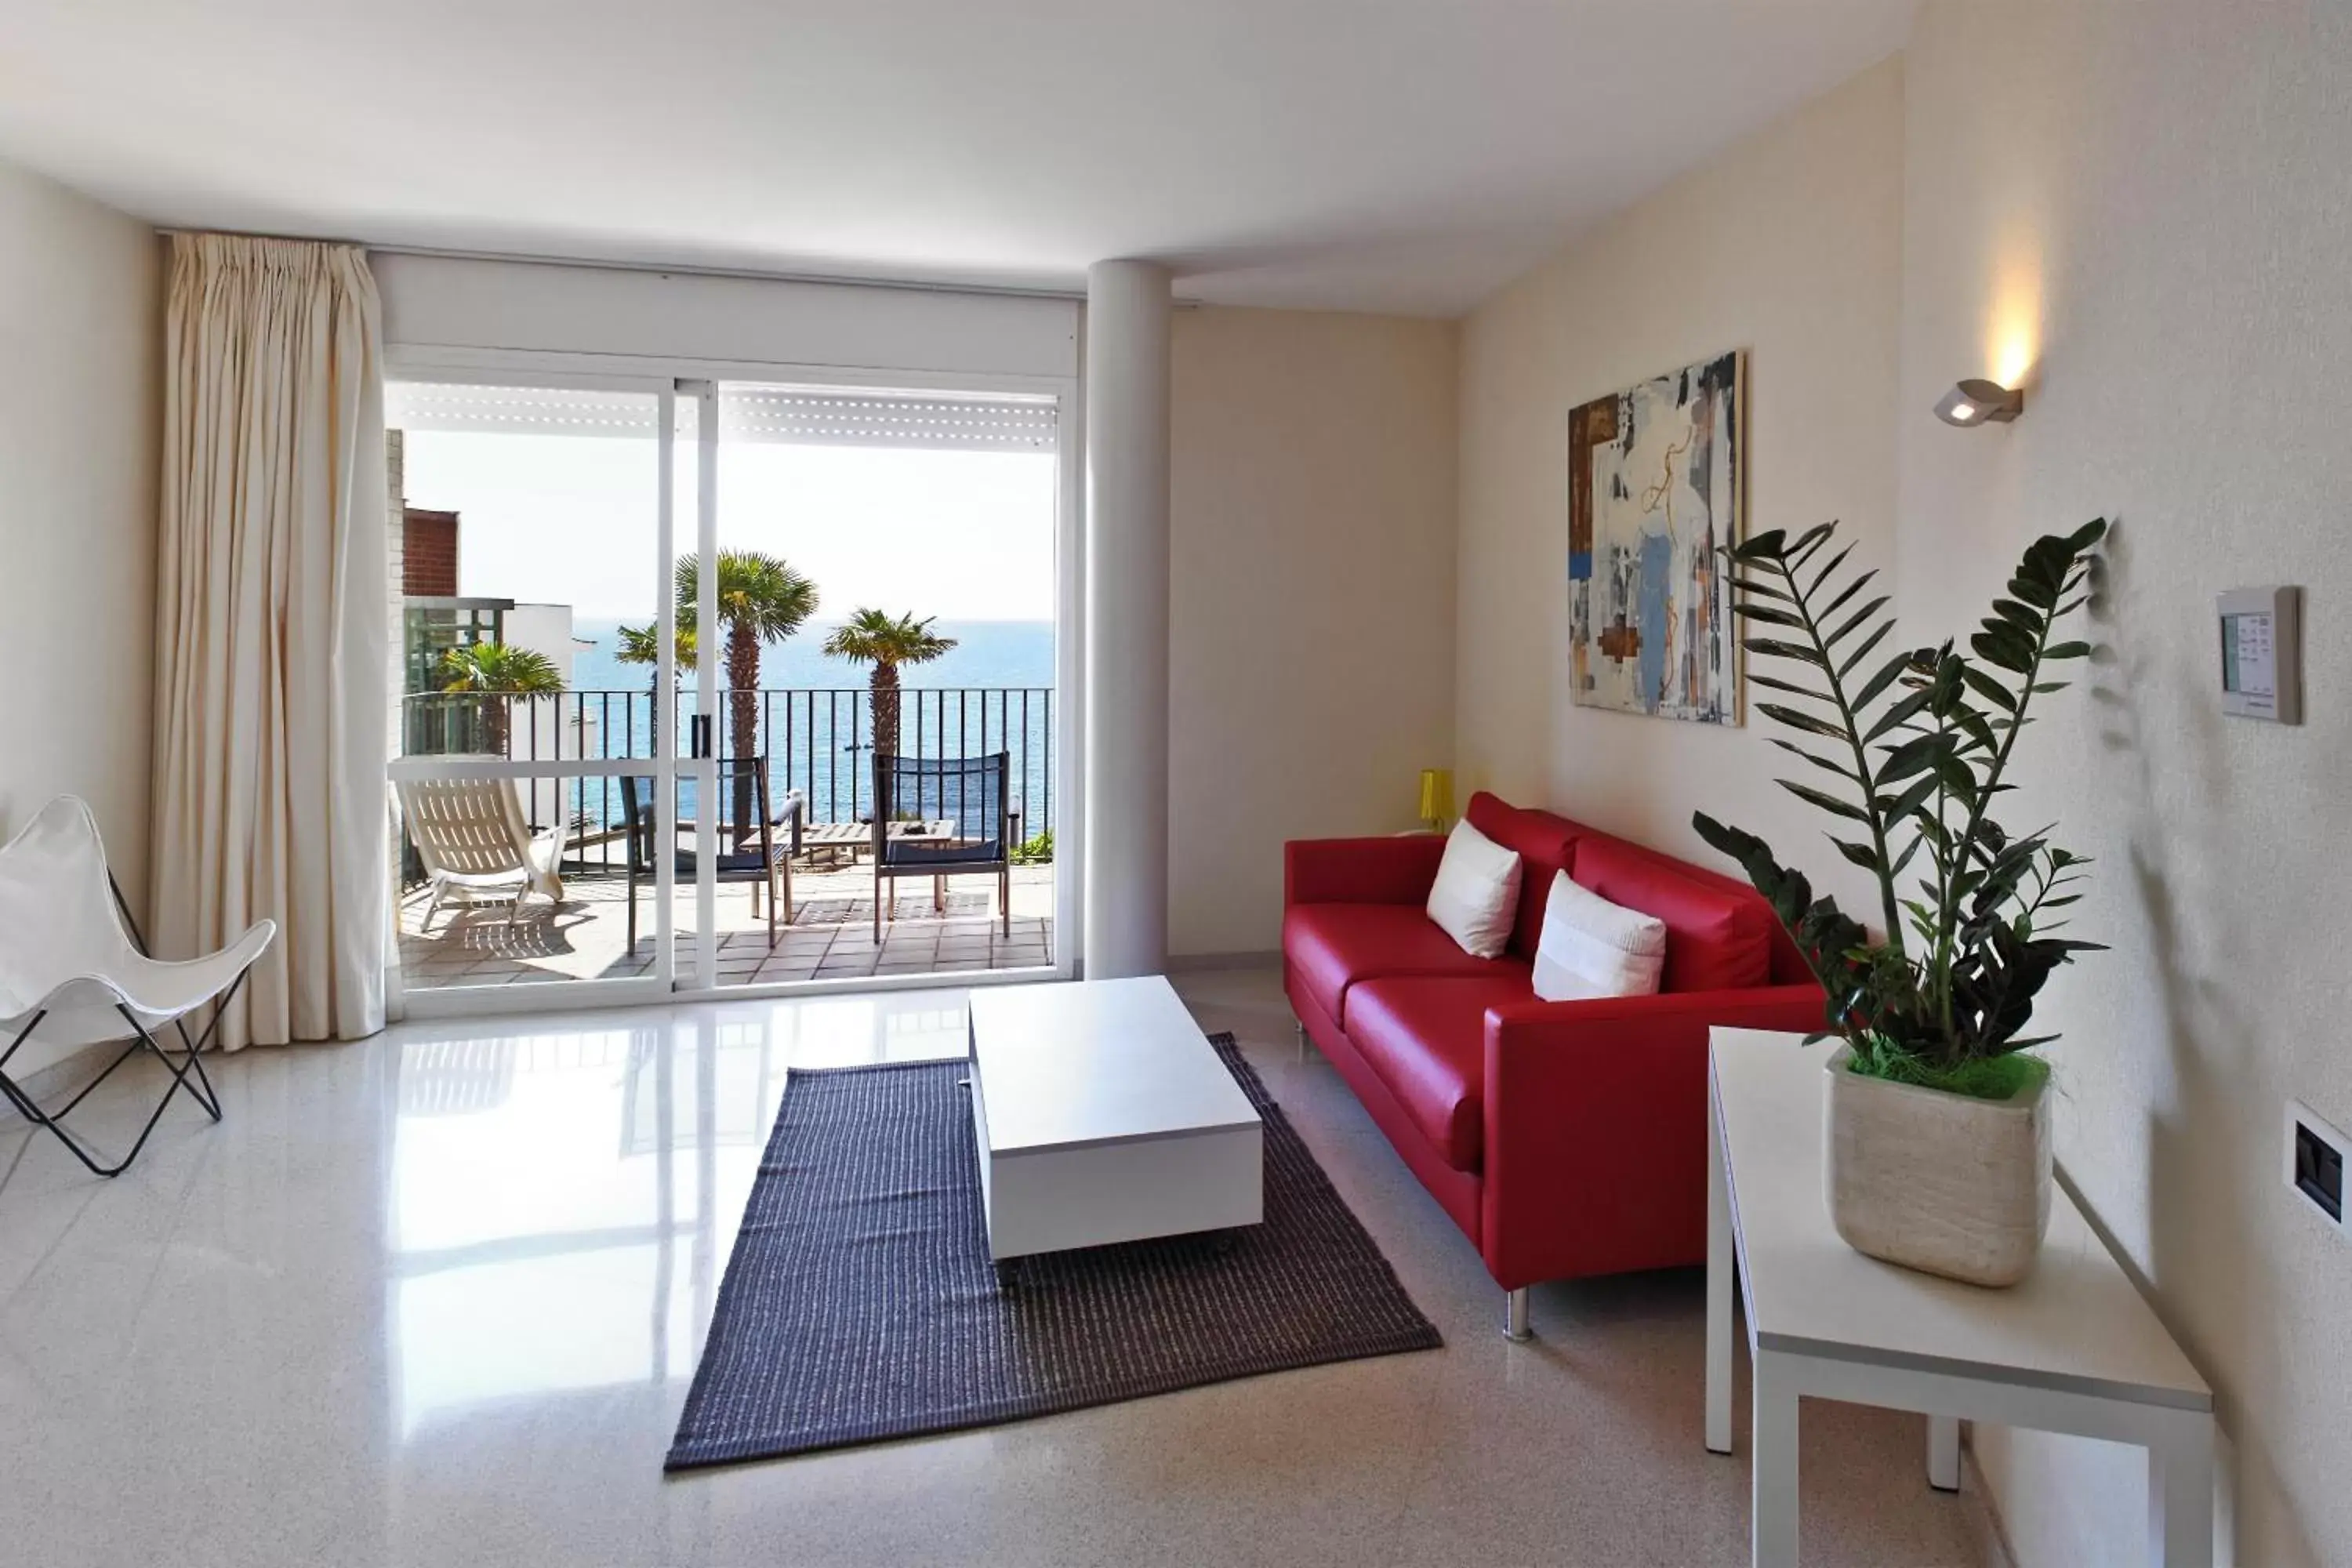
x: 201, y: 1091
x: 770, y: 863
x: 940, y: 867
x: 67, y: 822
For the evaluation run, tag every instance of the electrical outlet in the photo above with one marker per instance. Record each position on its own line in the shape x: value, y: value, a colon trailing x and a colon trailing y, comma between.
x: 2316, y: 1154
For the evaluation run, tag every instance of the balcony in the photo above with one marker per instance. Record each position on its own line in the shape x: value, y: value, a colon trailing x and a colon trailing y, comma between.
x: 831, y: 936
x: 818, y: 740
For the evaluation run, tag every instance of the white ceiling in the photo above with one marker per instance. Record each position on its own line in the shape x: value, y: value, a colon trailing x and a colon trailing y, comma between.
x: 1402, y: 156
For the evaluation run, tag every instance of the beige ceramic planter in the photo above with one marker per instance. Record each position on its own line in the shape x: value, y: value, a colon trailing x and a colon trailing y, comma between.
x: 1938, y: 1182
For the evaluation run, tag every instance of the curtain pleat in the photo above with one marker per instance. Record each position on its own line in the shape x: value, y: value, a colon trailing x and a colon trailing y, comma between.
x: 272, y: 715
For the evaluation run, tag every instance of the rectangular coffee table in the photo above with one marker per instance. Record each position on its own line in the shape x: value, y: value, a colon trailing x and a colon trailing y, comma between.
x: 1104, y: 1115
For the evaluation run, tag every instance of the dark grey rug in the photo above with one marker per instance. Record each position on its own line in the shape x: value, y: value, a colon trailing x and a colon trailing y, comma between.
x: 860, y: 1303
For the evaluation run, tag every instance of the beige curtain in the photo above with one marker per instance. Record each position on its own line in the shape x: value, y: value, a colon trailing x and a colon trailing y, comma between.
x: 271, y: 718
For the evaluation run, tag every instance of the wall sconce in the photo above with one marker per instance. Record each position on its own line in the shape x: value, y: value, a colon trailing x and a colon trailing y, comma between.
x: 1975, y: 402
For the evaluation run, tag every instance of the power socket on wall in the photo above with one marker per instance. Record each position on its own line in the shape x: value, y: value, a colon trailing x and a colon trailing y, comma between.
x: 2316, y: 1157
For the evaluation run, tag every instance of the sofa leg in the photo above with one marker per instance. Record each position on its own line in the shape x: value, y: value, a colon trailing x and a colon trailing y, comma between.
x: 1514, y: 1316
x: 1299, y: 1037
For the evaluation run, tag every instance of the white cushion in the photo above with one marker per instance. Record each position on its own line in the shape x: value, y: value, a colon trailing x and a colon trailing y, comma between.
x: 1477, y: 893
x: 1591, y: 947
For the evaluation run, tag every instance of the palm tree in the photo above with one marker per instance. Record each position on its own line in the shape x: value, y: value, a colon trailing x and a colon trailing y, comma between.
x: 761, y: 601
x: 497, y: 672
x: 642, y: 645
x: 886, y: 642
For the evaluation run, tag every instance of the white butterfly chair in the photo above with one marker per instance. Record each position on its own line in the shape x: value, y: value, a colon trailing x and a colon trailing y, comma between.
x: 475, y: 845
x: 74, y: 965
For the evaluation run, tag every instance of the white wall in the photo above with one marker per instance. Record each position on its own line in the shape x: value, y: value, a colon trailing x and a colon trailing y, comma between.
x: 1788, y: 246
x: 2149, y: 203
x: 81, y: 423
x: 432, y: 302
x: 1312, y: 645
x: 2142, y: 210
x: 543, y: 728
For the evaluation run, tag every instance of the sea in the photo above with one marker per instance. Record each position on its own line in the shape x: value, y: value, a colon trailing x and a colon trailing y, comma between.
x: 993, y: 691
x: 987, y: 653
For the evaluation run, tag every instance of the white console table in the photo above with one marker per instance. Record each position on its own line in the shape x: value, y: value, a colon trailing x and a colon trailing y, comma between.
x: 2072, y: 1349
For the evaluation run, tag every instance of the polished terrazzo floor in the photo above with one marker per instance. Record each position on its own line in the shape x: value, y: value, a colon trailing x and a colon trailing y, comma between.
x: 435, y: 1299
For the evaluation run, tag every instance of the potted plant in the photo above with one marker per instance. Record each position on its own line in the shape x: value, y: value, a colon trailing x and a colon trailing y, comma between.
x: 1938, y: 1130
x: 496, y: 673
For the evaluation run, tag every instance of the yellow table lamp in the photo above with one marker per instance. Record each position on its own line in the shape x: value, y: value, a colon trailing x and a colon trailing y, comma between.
x: 1437, y: 798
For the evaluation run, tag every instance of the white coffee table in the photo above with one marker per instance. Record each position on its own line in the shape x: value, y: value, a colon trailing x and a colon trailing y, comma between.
x: 1103, y: 1114
x: 2075, y: 1348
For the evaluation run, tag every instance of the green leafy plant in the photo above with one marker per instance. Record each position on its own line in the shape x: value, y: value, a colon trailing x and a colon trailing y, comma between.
x: 642, y: 645
x: 496, y: 671
x: 762, y: 600
x: 1037, y: 849
x: 886, y: 642
x: 1913, y: 749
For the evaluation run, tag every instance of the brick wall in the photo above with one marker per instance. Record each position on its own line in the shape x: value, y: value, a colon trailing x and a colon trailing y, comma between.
x: 429, y: 567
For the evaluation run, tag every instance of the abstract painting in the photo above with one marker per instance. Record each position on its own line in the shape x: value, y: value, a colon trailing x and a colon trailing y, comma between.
x: 1657, y: 484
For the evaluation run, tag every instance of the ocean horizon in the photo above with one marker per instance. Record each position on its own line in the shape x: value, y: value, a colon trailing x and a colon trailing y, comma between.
x: 818, y: 744
x: 987, y: 654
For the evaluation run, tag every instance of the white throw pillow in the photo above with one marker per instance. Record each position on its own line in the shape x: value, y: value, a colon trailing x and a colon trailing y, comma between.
x: 1477, y: 893
x: 1591, y: 947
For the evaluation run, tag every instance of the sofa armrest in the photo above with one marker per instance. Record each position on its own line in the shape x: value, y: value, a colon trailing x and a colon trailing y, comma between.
x: 1390, y: 870
x: 1596, y: 1127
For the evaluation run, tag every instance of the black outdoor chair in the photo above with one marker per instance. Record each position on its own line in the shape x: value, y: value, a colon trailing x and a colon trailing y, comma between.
x: 942, y: 816
x: 750, y: 851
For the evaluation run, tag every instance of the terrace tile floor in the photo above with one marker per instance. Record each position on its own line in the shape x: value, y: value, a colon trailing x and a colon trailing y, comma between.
x: 831, y: 936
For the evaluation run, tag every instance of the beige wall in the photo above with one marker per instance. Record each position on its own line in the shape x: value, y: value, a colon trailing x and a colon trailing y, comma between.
x: 80, y: 422
x: 2151, y: 201
x: 2141, y: 209
x: 1787, y: 246
x: 1311, y: 660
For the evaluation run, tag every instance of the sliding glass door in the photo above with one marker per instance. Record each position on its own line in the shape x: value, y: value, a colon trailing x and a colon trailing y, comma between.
x: 880, y: 664
x: 536, y: 749
x: 706, y: 685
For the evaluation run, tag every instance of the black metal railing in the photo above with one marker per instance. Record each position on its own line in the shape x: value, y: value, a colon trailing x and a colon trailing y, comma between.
x: 818, y: 739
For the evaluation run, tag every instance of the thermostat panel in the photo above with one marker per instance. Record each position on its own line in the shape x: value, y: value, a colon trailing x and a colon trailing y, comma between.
x: 2262, y: 653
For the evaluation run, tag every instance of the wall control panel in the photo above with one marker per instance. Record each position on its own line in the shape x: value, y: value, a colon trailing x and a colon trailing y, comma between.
x: 2262, y: 653
x: 2316, y: 1154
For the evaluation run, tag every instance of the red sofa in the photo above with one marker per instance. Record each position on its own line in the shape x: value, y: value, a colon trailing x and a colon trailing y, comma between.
x: 1565, y: 1138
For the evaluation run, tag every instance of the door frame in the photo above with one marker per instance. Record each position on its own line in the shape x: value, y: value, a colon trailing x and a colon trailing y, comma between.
x: 675, y: 377
x: 661, y: 767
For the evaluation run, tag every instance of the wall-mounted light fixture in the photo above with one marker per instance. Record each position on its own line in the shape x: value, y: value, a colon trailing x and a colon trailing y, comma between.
x: 1975, y: 402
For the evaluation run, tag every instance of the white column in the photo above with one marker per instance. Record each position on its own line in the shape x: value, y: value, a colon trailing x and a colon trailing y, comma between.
x: 1127, y: 619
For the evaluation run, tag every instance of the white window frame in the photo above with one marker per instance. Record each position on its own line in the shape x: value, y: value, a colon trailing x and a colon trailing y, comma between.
x: 677, y: 377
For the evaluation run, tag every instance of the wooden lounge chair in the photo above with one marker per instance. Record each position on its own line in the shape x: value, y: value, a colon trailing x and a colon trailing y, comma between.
x: 475, y: 845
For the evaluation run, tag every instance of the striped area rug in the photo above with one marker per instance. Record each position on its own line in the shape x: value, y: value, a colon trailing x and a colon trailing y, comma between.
x: 860, y: 1303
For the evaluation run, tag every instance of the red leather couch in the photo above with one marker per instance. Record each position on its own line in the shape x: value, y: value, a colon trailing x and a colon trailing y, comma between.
x: 1565, y: 1138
